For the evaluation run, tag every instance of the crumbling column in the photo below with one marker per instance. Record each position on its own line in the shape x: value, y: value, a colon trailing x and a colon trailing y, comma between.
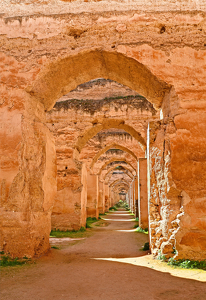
x: 92, y: 196
x: 28, y: 178
x: 143, y: 199
x: 101, y: 197
x: 106, y: 197
x: 67, y: 212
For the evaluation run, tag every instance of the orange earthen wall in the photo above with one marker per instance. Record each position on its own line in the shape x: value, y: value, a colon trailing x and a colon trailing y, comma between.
x: 30, y: 59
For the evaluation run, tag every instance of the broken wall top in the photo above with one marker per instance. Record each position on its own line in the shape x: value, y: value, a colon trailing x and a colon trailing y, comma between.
x: 11, y: 8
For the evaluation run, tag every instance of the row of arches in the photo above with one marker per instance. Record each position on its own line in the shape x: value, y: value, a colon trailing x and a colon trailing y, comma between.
x: 56, y: 137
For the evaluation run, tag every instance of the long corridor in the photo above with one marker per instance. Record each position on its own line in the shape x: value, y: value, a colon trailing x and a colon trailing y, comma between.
x: 85, y: 270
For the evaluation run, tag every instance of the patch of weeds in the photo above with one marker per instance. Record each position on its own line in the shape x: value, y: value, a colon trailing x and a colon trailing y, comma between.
x: 137, y: 223
x: 141, y: 230
x: 72, y: 234
x: 187, y: 264
x: 113, y: 208
x: 1, y: 252
x: 7, y: 261
x: 55, y: 247
x: 90, y: 221
x: 126, y: 206
x: 146, y: 246
x: 161, y: 256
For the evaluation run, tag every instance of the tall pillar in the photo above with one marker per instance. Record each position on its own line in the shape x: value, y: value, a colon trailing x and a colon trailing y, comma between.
x: 100, y: 197
x: 136, y: 194
x: 66, y: 212
x: 111, y: 197
x: 131, y: 196
x: 106, y: 197
x: 143, y: 199
x: 92, y: 196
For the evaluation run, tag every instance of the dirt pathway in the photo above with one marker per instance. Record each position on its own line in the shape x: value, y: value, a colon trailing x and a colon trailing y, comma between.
x: 84, y: 270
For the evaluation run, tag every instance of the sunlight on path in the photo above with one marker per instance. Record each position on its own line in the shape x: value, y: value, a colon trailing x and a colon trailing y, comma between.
x: 127, y: 230
x: 148, y: 262
x: 120, y: 220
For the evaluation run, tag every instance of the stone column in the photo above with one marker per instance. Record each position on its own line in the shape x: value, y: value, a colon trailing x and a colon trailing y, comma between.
x: 27, y: 177
x: 131, y: 196
x: 136, y: 210
x: 101, y: 197
x: 106, y: 197
x: 143, y: 199
x: 66, y: 213
x: 92, y: 196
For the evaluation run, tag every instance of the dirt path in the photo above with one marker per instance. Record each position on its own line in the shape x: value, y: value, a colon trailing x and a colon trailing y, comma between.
x: 74, y: 273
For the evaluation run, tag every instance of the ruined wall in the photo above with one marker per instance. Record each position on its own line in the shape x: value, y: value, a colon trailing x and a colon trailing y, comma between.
x: 143, y: 196
x: 173, y: 218
x: 168, y: 37
x: 69, y: 120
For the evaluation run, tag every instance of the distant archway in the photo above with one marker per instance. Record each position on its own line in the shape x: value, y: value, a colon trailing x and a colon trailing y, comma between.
x: 117, y: 159
x: 111, y: 146
x: 119, y: 181
x: 107, y: 124
x: 124, y: 172
x: 114, y: 167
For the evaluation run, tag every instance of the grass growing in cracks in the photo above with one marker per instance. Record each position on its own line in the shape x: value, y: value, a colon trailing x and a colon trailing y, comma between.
x: 90, y: 221
x: 139, y: 229
x: 68, y: 233
x: 7, y: 261
x: 187, y: 264
x: 113, y: 208
x: 55, y: 247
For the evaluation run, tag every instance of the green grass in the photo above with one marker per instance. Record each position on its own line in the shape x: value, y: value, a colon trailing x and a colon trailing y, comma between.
x: 161, y: 256
x: 90, y: 221
x: 72, y: 234
x: 113, y: 208
x: 7, y: 261
x: 137, y: 223
x: 139, y: 229
x: 187, y: 264
x: 146, y: 246
x: 55, y: 247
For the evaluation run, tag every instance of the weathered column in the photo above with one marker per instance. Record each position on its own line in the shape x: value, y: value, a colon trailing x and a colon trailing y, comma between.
x: 106, y: 197
x: 66, y: 213
x: 111, y: 197
x: 143, y: 201
x: 131, y: 196
x: 27, y: 177
x: 92, y: 196
x: 100, y: 197
x: 84, y: 196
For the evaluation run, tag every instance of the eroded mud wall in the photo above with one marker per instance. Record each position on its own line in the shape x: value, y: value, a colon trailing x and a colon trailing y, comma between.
x: 143, y: 196
x: 155, y: 36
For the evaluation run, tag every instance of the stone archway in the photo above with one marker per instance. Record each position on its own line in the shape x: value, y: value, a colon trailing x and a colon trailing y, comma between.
x: 107, y: 124
x: 114, y: 160
x: 65, y: 74
x: 124, y: 170
x: 116, y: 146
x: 53, y: 81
